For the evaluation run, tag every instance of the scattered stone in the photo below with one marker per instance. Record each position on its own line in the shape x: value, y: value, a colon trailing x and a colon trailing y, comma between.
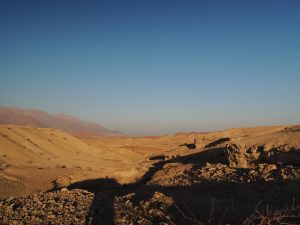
x: 47, y: 208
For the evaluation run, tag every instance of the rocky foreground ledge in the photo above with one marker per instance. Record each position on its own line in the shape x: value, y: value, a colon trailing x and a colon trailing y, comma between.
x: 83, y: 207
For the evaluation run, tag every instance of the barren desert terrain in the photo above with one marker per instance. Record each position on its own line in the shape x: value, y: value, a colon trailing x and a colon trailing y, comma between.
x: 236, y: 176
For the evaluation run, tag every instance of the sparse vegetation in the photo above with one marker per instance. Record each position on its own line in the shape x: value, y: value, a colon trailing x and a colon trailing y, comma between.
x: 287, y: 215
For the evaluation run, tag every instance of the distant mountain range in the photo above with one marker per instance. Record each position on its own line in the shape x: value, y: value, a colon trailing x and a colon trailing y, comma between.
x: 38, y: 118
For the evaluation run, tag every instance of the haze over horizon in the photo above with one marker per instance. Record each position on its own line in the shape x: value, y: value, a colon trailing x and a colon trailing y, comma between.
x: 154, y: 67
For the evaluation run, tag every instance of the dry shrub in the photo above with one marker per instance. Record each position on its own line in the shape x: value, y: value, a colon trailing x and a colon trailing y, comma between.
x: 288, y: 215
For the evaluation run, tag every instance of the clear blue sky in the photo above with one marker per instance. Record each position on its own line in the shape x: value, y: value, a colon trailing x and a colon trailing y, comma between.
x: 153, y: 67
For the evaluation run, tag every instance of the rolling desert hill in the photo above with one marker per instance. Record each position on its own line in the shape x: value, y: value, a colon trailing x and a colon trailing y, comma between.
x: 38, y: 118
x: 30, y: 158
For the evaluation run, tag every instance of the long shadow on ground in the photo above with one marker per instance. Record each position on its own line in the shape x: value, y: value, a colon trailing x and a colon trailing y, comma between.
x: 226, y: 202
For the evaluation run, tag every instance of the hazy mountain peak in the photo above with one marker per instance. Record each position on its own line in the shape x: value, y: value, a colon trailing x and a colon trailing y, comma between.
x: 38, y: 118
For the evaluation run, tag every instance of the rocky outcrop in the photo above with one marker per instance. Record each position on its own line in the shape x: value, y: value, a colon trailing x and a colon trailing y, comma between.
x: 248, y: 157
x: 240, y: 157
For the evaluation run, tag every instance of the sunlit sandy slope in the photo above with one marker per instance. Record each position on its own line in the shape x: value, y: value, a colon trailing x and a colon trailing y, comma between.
x: 30, y: 158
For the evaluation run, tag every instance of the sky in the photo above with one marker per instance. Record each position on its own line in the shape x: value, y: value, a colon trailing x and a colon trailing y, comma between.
x: 154, y: 67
